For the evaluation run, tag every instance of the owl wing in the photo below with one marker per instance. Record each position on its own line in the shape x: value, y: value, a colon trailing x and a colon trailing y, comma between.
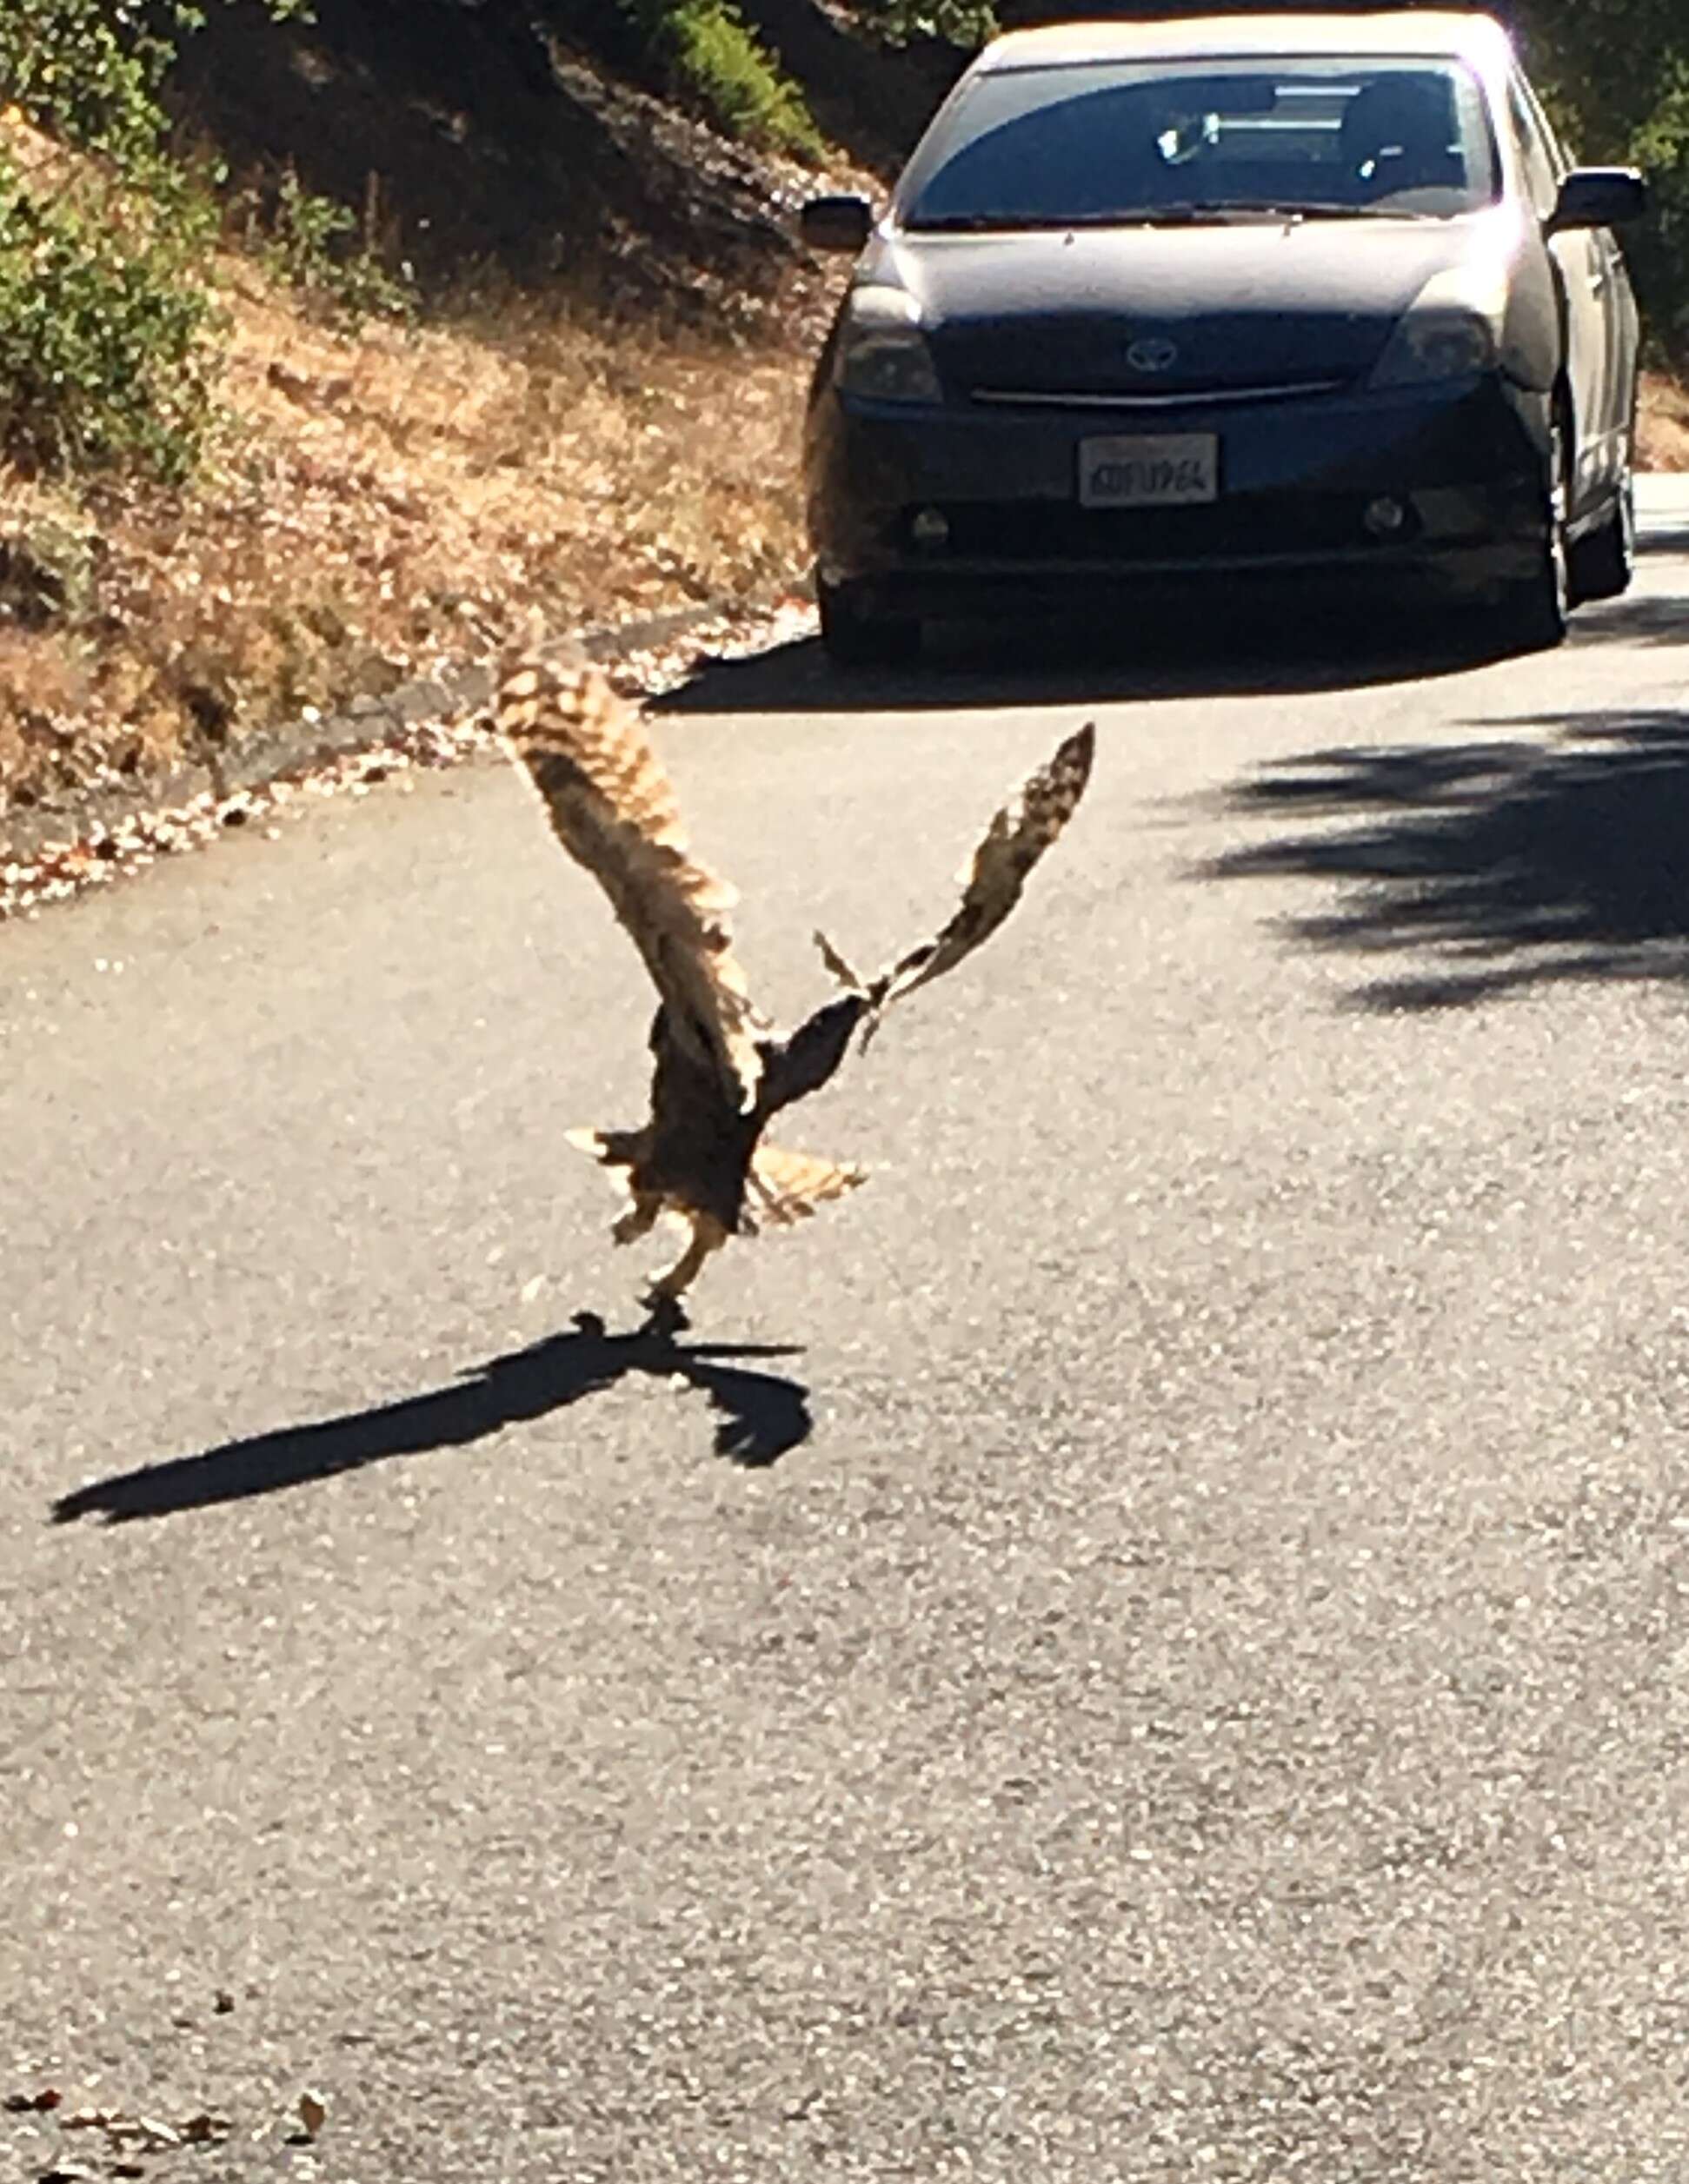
x: 996, y: 880
x: 787, y: 1187
x: 612, y: 807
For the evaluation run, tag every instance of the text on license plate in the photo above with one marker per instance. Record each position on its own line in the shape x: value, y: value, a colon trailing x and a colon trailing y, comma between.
x: 1172, y: 470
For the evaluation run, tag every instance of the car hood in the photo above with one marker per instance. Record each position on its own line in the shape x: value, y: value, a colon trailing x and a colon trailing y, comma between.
x: 1257, y: 305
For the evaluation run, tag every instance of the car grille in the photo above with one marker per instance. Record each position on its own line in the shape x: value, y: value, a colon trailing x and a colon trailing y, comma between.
x: 1030, y: 399
x: 1250, y: 524
x: 1084, y: 354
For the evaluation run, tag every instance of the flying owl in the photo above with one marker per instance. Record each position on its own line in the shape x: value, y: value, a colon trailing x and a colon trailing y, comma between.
x: 722, y: 1070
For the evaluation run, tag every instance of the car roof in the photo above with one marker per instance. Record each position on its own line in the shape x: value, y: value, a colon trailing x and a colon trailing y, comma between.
x: 1417, y: 31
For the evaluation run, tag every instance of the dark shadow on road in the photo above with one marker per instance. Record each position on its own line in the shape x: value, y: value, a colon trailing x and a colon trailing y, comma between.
x: 762, y: 1416
x: 1185, y: 648
x: 1509, y: 863
x: 1635, y: 621
x: 1664, y: 538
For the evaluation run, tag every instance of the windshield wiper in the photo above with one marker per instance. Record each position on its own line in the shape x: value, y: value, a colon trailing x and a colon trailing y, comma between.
x: 1219, y: 210
x: 980, y: 223
x: 1317, y: 211
x: 1196, y: 213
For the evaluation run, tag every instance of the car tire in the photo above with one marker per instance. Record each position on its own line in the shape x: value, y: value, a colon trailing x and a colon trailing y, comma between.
x: 852, y: 638
x: 1603, y: 563
x: 1535, y: 609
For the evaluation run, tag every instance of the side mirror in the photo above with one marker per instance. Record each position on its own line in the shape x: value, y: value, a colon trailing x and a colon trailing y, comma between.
x: 836, y: 223
x: 1600, y: 197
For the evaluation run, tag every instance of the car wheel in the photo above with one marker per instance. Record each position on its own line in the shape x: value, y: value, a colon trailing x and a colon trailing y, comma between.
x: 852, y: 638
x: 1604, y: 562
x: 1534, y: 609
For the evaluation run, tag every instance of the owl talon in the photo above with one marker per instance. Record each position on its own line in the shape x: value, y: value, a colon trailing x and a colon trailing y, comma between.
x: 708, y: 1237
x: 639, y: 1220
x: 666, y: 1316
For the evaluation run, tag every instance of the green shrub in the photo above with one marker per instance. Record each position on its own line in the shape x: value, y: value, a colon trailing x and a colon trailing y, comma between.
x: 710, y: 58
x: 308, y: 247
x: 104, y: 328
x: 964, y: 23
x: 106, y: 309
x: 1618, y: 74
x: 89, y: 69
x: 1660, y: 252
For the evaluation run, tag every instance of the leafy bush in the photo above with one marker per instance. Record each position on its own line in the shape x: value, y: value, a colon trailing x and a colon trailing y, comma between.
x: 964, y: 23
x: 89, y: 69
x: 105, y: 306
x: 1618, y: 72
x: 709, y: 56
x: 1660, y: 253
x: 308, y: 248
x: 104, y: 323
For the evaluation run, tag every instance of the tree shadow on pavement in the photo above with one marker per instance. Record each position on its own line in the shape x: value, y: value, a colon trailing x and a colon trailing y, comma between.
x: 1186, y: 648
x: 762, y: 1417
x: 1512, y: 864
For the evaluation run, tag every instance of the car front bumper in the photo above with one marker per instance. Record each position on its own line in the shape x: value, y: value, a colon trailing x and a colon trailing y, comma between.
x: 996, y: 491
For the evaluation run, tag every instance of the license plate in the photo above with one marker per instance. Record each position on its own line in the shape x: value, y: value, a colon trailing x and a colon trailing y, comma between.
x: 1173, y: 470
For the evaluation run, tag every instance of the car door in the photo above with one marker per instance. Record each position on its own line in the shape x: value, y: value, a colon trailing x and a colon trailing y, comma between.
x: 1625, y: 333
x: 1591, y: 295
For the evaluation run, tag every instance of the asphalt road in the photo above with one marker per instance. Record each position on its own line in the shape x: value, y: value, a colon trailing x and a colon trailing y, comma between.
x: 1150, y: 1643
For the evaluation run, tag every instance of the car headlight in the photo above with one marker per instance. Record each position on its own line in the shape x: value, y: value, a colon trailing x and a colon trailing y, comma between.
x: 1451, y: 330
x: 883, y: 352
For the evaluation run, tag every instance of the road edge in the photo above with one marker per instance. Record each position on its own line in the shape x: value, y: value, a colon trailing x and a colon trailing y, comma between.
x: 50, y: 850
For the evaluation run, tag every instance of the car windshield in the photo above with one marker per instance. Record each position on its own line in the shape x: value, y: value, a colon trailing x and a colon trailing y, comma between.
x: 1119, y: 143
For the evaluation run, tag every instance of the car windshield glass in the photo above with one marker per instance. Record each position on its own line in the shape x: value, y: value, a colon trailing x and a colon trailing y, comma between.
x: 1102, y: 142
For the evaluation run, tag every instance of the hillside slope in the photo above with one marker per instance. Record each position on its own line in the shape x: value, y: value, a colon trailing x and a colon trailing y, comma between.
x: 546, y: 138
x: 593, y: 413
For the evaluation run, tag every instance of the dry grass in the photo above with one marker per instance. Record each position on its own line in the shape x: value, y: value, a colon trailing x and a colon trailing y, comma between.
x: 1663, y: 433
x: 384, y: 502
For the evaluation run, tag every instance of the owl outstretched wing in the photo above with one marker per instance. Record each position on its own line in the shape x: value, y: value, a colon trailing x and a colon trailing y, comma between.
x: 993, y: 883
x: 612, y: 807
x: 787, y: 1187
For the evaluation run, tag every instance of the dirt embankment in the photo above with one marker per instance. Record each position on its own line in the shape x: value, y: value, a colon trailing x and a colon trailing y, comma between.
x: 595, y: 415
x: 1663, y: 429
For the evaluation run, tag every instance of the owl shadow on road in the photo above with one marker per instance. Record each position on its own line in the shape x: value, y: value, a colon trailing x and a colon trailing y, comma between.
x: 1550, y: 855
x: 762, y: 1416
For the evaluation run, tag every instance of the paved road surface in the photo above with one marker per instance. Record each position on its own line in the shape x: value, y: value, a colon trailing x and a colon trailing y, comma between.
x: 1151, y: 1644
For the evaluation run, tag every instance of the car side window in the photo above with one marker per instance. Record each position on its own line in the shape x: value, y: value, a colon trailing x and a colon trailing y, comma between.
x: 1542, y: 168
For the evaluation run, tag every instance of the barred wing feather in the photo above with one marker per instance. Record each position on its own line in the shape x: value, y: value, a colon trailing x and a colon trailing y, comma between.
x: 612, y: 807
x: 994, y: 882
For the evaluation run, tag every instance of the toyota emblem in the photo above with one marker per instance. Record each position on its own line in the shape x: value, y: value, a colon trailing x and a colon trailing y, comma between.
x: 1153, y: 356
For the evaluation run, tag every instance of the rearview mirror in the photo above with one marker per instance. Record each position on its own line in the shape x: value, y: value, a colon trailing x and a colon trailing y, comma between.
x: 836, y: 223
x: 1240, y: 95
x: 1600, y: 197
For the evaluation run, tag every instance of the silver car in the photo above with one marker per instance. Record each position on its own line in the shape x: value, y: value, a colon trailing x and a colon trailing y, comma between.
x: 1281, y: 298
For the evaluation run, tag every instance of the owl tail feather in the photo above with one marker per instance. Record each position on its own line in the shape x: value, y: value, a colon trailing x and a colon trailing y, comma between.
x: 610, y: 1148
